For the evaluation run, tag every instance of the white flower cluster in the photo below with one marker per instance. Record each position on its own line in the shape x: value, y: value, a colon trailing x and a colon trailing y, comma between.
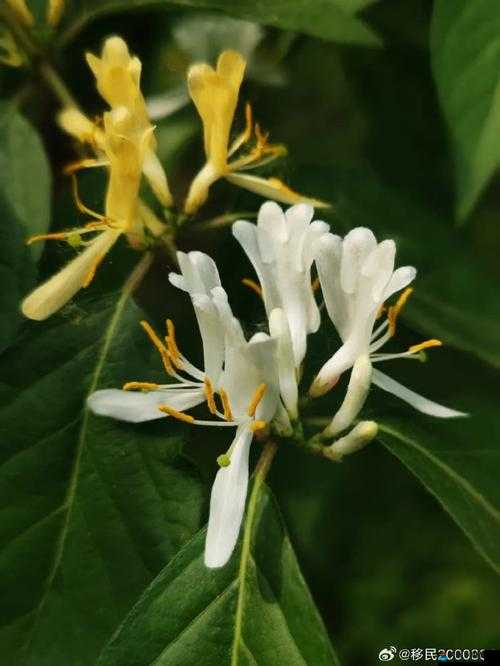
x: 252, y: 385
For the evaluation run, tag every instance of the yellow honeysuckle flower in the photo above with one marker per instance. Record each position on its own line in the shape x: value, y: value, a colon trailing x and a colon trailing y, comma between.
x: 124, y: 147
x: 11, y: 55
x: 215, y: 95
x: 118, y: 77
x: 54, y: 12
x: 20, y: 9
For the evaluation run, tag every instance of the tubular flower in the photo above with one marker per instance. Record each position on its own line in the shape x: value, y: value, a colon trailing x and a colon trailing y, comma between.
x: 357, y: 276
x: 215, y: 95
x: 124, y: 149
x: 118, y: 77
x: 282, y: 247
x: 239, y: 383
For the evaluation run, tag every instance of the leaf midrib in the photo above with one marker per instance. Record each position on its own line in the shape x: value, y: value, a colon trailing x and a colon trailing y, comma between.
x: 73, y: 481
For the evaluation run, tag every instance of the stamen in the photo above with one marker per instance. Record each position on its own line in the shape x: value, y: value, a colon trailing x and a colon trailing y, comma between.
x: 257, y: 425
x: 228, y: 414
x: 172, y: 344
x: 209, y: 394
x: 381, y: 311
x: 426, y: 344
x: 180, y: 416
x: 60, y: 235
x: 143, y: 386
x: 87, y: 163
x: 394, y: 310
x: 167, y: 364
x: 246, y: 135
x: 91, y: 274
x: 79, y: 203
x: 256, y: 398
x: 251, y: 284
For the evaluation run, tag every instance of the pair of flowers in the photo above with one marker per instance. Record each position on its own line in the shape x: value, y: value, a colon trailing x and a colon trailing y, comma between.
x: 253, y: 385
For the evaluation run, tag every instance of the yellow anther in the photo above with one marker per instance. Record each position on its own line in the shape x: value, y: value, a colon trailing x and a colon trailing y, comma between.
x: 171, y: 342
x: 209, y: 394
x: 394, y: 310
x: 381, y: 311
x: 256, y: 398
x: 251, y: 284
x: 426, y: 344
x: 228, y: 414
x: 60, y: 235
x: 180, y: 416
x: 257, y: 425
x: 315, y: 284
x: 142, y: 386
x: 167, y: 363
x: 91, y: 274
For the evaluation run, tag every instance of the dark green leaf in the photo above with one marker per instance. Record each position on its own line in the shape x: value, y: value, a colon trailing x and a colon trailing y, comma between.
x: 17, y: 272
x: 329, y: 19
x: 187, y: 615
x: 465, y: 46
x: 25, y: 176
x: 460, y: 471
x: 92, y: 509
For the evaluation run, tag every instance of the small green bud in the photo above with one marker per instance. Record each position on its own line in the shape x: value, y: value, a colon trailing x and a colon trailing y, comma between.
x: 224, y: 460
x: 75, y: 240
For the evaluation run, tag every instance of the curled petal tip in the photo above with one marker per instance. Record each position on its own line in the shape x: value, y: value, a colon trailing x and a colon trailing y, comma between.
x: 321, y: 386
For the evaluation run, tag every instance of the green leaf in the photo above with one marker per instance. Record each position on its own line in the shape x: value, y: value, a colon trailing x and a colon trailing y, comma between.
x: 25, y: 185
x: 25, y: 176
x: 17, y: 272
x: 455, y: 297
x: 459, y: 470
x: 255, y: 610
x: 329, y: 19
x: 92, y: 509
x: 465, y: 47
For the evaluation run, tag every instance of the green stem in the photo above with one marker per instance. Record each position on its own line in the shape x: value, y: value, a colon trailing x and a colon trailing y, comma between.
x: 56, y: 84
x: 263, y: 465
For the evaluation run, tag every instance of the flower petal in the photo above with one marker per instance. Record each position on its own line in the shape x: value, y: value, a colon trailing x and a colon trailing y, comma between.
x: 136, y: 407
x: 400, y: 279
x: 227, y: 503
x: 414, y: 399
x: 272, y: 188
x: 61, y: 287
x: 156, y: 177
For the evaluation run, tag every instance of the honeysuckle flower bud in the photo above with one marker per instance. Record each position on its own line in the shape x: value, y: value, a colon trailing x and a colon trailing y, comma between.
x: 10, y: 53
x: 21, y: 11
x: 356, y: 394
x: 55, y: 9
x: 215, y: 95
x: 282, y: 248
x: 124, y: 148
x: 357, y: 276
x: 361, y: 435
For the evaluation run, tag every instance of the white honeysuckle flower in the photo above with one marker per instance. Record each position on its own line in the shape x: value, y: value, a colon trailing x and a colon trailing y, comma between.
x: 243, y: 373
x: 357, y: 276
x: 199, y: 276
x: 282, y: 247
